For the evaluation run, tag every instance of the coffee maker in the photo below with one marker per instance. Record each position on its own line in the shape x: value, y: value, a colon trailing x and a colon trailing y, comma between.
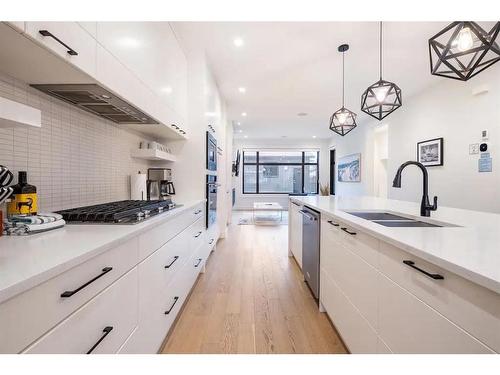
x: 159, y: 184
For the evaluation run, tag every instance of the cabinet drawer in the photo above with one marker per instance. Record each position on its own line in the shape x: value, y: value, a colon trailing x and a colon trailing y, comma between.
x: 408, y: 325
x: 158, y: 236
x: 26, y: 317
x: 71, y: 34
x: 330, y: 229
x: 357, y: 334
x: 102, y: 325
x: 360, y: 243
x: 197, y: 235
x: 470, y: 306
x: 356, y: 279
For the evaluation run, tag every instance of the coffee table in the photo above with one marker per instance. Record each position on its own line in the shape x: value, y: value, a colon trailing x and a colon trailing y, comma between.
x: 267, y: 206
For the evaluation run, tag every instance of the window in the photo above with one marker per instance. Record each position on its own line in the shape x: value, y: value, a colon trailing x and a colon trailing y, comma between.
x: 280, y: 172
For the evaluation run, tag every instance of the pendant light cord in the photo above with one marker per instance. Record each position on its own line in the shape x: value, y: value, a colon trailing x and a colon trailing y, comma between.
x: 343, y: 77
x: 380, y: 50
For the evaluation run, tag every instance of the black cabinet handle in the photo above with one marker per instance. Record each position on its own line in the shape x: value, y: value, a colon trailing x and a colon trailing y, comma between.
x: 197, y: 212
x: 172, y: 262
x: 171, y: 307
x: 197, y: 235
x: 298, y: 205
x: 105, y: 332
x: 174, y: 126
x: 332, y: 223
x: 348, y: 231
x: 198, y: 263
x: 434, y: 276
x: 69, y: 293
x: 70, y: 51
x: 211, y: 241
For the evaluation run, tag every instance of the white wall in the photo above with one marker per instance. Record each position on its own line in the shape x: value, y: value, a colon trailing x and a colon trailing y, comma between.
x: 359, y: 140
x: 245, y: 201
x: 449, y: 110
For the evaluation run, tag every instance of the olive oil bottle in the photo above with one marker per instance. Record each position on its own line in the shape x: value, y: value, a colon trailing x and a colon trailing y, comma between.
x: 24, y: 200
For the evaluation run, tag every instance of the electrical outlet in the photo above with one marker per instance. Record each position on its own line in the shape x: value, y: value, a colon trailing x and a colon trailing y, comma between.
x: 484, y: 135
x: 474, y: 148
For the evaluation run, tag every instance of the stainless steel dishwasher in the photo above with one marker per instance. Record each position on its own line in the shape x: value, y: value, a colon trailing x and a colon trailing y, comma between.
x: 310, y: 248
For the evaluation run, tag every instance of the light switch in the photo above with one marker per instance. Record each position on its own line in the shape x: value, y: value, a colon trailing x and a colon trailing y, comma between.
x: 474, y: 148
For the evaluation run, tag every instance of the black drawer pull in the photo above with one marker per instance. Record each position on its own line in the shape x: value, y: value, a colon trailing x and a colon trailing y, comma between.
x: 298, y: 205
x: 172, y: 262
x: 69, y: 293
x: 434, y: 276
x: 198, y: 263
x: 171, y: 307
x: 347, y: 231
x: 211, y: 241
x: 198, y: 212
x: 197, y: 235
x: 105, y: 332
x: 70, y: 51
x: 332, y: 223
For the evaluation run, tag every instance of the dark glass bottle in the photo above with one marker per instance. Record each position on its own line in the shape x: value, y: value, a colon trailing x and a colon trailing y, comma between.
x: 24, y: 199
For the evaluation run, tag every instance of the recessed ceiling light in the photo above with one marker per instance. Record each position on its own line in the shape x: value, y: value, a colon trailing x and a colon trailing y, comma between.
x: 243, y: 114
x: 302, y: 114
x: 167, y: 90
x: 238, y: 42
x: 238, y: 123
x: 314, y: 136
x: 245, y: 136
x: 242, y: 90
x: 240, y: 131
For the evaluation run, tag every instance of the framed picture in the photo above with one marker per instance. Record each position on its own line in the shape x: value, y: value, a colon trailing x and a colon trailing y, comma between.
x: 349, y: 169
x: 430, y: 153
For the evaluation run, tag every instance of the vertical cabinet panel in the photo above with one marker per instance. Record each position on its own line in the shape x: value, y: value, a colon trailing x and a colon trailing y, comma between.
x: 295, y: 221
x: 408, y: 325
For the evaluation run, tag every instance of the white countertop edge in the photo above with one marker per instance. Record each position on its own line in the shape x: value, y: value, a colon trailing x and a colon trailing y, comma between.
x: 468, y: 274
x: 31, y: 282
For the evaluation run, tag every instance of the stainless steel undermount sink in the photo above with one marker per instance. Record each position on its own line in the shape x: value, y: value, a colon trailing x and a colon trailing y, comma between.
x: 405, y: 223
x: 389, y: 219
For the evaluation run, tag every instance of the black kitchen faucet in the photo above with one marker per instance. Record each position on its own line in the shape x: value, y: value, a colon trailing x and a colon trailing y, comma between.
x: 425, y: 206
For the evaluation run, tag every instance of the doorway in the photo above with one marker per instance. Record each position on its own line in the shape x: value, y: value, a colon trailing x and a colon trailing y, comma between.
x: 332, y: 172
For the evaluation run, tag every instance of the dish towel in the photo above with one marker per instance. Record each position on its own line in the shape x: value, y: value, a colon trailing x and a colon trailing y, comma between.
x: 19, y: 225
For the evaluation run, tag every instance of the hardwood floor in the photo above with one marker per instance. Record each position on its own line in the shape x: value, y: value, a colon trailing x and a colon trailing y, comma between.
x: 252, y: 299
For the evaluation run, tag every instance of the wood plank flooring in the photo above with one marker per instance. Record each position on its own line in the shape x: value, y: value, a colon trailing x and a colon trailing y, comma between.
x: 252, y: 299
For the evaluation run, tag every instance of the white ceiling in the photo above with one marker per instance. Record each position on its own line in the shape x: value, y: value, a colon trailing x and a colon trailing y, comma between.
x: 292, y: 67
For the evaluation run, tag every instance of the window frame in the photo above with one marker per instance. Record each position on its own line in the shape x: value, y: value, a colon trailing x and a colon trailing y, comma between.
x: 257, y: 164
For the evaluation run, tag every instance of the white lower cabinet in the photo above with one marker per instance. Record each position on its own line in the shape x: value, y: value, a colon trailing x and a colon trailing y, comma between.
x: 408, y: 325
x: 356, y: 332
x: 124, y: 300
x: 100, y: 326
x: 381, y: 305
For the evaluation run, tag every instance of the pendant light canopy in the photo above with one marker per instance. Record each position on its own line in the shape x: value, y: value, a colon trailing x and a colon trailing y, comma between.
x: 463, y: 49
x: 383, y: 97
x: 343, y: 120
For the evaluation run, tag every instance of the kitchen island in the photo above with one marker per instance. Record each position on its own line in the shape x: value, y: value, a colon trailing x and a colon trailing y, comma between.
x: 407, y: 289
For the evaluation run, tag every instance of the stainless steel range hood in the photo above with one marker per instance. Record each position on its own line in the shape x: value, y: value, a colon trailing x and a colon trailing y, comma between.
x: 99, y: 101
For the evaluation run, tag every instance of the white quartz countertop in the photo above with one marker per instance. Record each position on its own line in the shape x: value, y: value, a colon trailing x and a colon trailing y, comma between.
x: 471, y: 249
x: 26, y: 261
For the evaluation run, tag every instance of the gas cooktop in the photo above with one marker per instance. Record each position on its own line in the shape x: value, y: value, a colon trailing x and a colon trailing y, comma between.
x: 120, y: 212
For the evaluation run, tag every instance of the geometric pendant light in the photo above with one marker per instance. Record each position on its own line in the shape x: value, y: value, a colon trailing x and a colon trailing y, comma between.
x: 343, y: 120
x: 463, y: 49
x: 383, y: 97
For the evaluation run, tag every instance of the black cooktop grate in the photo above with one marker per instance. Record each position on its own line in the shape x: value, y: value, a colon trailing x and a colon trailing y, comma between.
x: 115, y: 212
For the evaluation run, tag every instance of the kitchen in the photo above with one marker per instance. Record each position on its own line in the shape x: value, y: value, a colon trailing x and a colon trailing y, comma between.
x: 244, y: 187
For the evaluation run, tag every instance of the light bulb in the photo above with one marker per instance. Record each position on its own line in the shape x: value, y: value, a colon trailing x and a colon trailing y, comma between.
x: 464, y: 40
x: 381, y: 93
x: 342, y: 116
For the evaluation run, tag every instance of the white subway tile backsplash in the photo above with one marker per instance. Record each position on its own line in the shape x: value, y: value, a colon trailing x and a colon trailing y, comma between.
x: 75, y: 158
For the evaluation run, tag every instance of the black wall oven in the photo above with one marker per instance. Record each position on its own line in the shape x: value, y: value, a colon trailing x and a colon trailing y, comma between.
x: 211, y: 200
x: 211, y: 152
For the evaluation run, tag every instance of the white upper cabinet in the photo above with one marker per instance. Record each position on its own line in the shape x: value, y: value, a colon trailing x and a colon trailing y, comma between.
x: 67, y: 39
x: 151, y: 52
